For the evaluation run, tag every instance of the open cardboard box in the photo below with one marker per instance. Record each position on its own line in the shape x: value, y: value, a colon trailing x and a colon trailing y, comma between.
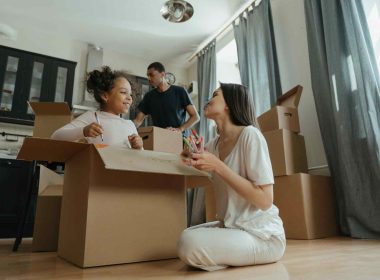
x: 46, y: 222
x: 49, y: 116
x: 119, y: 205
x: 307, y: 206
x: 284, y: 114
x: 161, y: 140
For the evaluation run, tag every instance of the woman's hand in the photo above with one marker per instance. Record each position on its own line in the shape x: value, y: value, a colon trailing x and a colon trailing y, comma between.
x: 203, y: 161
x: 135, y: 141
x: 92, y: 130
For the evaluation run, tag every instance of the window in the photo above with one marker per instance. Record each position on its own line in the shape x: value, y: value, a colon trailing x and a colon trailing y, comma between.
x: 372, y: 12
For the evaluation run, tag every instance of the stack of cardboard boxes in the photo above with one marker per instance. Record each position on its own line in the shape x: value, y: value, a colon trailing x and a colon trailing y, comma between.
x: 305, y: 201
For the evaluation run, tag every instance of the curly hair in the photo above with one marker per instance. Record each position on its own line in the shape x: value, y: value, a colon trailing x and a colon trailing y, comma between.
x: 101, y: 82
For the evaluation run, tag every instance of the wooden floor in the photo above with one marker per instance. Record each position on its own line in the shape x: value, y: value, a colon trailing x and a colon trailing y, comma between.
x: 332, y: 258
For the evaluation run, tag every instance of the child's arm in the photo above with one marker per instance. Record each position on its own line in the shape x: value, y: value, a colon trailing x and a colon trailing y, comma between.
x: 83, y: 126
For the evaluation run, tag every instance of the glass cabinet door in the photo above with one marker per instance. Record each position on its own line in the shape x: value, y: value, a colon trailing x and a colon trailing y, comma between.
x: 36, y: 84
x: 60, y: 89
x: 30, y: 77
x: 8, y: 87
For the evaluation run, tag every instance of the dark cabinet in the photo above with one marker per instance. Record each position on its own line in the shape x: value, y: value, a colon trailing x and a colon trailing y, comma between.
x: 17, y: 181
x: 26, y: 76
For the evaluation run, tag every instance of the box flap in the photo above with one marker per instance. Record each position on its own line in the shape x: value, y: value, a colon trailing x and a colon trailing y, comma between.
x: 35, y: 148
x: 120, y: 158
x: 52, y: 190
x: 291, y: 98
x: 146, y: 129
x: 50, y: 108
x: 47, y: 178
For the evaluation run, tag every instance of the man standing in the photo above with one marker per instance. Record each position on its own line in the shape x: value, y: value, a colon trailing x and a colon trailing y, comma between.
x: 167, y: 104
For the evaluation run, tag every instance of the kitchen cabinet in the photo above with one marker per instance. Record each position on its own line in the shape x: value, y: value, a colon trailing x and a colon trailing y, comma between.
x: 16, y: 177
x: 27, y: 76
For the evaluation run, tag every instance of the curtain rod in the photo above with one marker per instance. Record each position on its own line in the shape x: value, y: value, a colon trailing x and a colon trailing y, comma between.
x: 224, y: 28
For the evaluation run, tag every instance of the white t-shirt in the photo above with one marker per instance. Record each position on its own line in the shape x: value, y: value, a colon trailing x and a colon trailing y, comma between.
x: 250, y: 159
x: 116, y: 130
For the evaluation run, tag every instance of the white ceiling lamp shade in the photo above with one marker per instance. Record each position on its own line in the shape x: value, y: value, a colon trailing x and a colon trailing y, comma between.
x: 177, y: 11
x: 7, y: 31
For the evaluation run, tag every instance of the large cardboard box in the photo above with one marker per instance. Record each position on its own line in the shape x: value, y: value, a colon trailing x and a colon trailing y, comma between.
x: 119, y: 205
x: 46, y: 222
x: 287, y: 152
x: 49, y: 116
x: 161, y: 140
x: 284, y: 114
x: 307, y: 206
x: 210, y: 204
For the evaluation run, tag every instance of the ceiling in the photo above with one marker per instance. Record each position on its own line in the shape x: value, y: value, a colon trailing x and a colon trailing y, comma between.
x: 134, y: 27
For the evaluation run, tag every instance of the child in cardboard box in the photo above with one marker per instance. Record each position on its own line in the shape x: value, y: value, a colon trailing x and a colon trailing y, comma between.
x: 248, y: 229
x: 112, y: 90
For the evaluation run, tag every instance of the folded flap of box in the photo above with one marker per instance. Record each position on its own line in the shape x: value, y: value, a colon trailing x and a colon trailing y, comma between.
x: 120, y: 158
x: 47, y: 178
x: 50, y: 108
x: 146, y: 129
x: 52, y: 190
x: 291, y: 98
x: 35, y: 148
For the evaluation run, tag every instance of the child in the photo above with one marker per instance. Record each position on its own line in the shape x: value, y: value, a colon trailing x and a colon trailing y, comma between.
x: 249, y: 230
x: 112, y: 90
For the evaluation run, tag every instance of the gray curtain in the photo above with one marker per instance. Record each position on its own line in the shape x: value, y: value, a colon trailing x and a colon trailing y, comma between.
x: 345, y: 82
x: 257, y: 56
x: 206, y: 85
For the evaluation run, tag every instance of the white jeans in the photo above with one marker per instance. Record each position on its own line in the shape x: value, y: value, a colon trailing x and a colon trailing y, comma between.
x: 210, y: 247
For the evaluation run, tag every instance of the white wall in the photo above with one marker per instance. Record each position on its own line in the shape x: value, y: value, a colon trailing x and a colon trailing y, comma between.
x: 293, y: 56
x: 57, y: 46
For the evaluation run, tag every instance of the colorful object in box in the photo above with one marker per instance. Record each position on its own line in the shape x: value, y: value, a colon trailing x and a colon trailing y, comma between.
x: 100, y: 145
x: 194, y: 142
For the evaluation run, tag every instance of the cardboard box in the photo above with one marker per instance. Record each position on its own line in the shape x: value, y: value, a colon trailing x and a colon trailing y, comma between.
x: 210, y: 204
x: 307, y: 206
x: 284, y: 114
x: 119, y: 205
x: 46, y: 223
x: 49, y: 116
x: 161, y: 140
x: 287, y: 152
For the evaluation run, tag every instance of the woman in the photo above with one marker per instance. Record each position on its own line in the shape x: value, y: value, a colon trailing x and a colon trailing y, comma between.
x: 249, y: 230
x: 112, y: 90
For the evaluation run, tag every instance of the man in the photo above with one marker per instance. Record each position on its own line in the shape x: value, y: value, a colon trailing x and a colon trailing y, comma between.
x: 167, y: 104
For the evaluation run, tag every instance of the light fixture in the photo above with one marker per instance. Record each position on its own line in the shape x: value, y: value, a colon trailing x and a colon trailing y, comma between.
x: 177, y: 11
x: 7, y: 31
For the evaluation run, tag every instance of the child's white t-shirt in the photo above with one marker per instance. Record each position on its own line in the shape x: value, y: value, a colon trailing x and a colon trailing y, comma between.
x: 116, y: 130
x: 250, y: 159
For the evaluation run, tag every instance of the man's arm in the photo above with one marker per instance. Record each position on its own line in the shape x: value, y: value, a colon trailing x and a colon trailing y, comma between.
x: 139, y: 119
x: 193, y: 117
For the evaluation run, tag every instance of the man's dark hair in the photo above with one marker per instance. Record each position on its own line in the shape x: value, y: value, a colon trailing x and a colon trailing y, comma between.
x: 157, y: 66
